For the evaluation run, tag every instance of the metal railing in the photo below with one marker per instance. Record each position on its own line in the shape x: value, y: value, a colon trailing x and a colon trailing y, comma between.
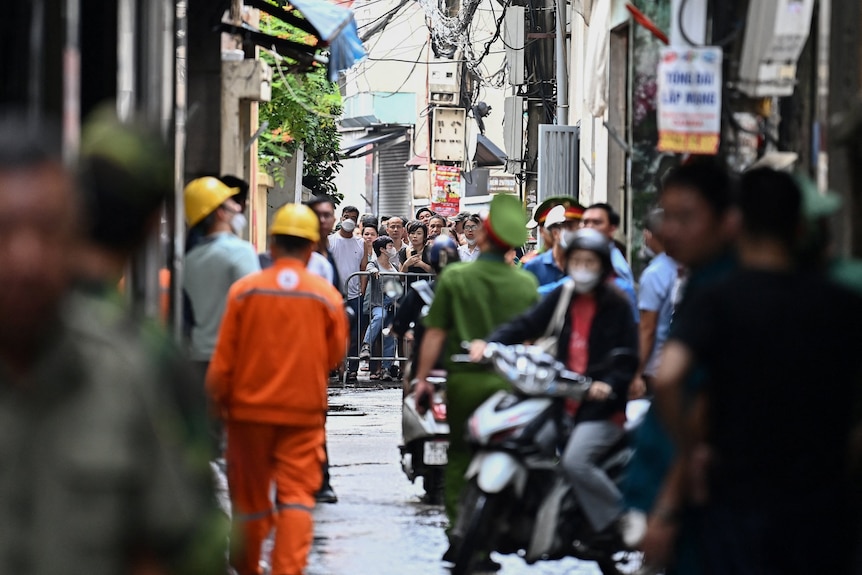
x: 394, y: 285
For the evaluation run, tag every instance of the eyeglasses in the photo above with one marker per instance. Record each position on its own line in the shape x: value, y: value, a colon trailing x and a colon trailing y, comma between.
x: 471, y: 228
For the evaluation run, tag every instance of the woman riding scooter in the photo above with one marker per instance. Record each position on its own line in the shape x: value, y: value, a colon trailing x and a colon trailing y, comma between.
x: 598, y: 319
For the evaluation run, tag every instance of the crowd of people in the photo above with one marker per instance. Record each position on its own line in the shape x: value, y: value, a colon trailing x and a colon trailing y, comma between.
x: 744, y: 324
x: 741, y: 317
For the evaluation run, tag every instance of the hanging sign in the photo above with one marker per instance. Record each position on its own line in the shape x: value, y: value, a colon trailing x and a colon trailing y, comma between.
x: 445, y: 190
x: 689, y: 100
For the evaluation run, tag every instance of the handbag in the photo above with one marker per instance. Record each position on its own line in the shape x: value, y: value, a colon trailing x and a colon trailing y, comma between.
x: 549, y: 340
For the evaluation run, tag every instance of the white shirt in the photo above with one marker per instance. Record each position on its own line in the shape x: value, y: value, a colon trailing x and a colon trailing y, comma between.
x: 347, y: 254
x: 319, y: 265
x: 468, y: 254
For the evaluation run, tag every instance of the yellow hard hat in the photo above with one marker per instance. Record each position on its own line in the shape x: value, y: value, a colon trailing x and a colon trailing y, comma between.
x: 296, y: 220
x: 203, y: 196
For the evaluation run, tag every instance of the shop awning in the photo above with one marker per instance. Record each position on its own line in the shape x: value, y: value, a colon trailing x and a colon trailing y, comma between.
x: 418, y: 162
x: 488, y: 154
x: 332, y: 25
x: 372, y: 142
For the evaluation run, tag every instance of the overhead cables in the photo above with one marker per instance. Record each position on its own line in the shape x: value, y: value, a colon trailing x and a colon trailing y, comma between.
x: 386, y: 19
x: 410, y: 73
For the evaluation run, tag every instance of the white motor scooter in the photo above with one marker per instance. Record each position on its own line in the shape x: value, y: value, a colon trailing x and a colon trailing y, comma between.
x: 516, y: 499
x: 424, y: 452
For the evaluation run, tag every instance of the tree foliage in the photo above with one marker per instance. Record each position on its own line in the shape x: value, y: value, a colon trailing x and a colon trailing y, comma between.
x: 303, y: 111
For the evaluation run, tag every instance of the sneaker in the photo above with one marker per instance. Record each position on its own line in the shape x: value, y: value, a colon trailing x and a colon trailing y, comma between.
x: 365, y: 352
x: 326, y: 495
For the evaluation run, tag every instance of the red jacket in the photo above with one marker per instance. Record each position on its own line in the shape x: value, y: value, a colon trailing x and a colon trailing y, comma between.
x: 284, y: 329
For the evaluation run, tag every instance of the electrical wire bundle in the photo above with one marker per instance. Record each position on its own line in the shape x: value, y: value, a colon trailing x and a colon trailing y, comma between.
x: 450, y: 33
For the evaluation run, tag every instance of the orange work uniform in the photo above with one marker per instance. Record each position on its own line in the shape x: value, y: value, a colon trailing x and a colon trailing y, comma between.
x: 283, y: 330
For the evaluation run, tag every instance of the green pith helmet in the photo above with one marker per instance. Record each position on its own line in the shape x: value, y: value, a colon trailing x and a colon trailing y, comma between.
x: 574, y: 210
x: 506, y: 221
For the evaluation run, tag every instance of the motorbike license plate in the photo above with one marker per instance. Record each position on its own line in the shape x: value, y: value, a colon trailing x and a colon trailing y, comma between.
x: 434, y: 453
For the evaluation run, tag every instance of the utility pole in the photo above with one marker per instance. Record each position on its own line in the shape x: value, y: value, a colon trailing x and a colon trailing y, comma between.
x: 539, y: 49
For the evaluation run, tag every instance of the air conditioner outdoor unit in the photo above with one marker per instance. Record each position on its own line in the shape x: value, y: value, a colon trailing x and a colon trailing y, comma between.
x: 775, y: 34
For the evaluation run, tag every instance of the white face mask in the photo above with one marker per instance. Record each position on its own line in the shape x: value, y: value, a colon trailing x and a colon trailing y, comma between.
x: 238, y: 223
x: 391, y: 252
x: 471, y: 242
x: 562, y: 240
x: 348, y: 226
x: 585, y: 280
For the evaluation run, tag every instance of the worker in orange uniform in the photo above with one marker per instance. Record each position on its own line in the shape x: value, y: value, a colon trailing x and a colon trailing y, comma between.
x: 284, y: 329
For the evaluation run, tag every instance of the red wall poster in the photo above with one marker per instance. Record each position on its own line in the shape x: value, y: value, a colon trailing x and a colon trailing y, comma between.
x: 445, y: 190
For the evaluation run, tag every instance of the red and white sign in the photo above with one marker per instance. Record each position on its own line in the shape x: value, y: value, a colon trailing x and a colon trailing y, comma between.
x: 445, y: 190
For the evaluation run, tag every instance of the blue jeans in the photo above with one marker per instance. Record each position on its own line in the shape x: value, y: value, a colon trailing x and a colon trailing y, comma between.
x: 359, y: 322
x: 379, y: 318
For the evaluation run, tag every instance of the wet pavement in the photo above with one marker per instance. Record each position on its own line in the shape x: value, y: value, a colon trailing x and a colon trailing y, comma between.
x: 379, y: 526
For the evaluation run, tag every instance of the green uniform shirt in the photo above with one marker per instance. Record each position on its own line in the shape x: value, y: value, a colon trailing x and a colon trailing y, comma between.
x: 472, y: 299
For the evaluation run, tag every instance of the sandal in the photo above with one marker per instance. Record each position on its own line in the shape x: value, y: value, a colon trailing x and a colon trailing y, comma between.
x: 374, y: 377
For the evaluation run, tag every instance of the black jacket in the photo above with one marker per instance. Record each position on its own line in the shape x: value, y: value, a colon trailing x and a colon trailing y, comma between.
x: 410, y: 313
x: 613, y: 327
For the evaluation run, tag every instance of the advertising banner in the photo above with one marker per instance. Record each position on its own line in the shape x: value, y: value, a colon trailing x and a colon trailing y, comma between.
x: 445, y: 190
x: 689, y: 100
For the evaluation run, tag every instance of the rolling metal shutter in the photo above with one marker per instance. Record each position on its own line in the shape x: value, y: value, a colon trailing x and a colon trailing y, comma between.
x: 394, y: 193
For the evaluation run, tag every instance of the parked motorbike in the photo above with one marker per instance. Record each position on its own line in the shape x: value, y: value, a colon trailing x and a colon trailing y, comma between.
x: 424, y: 452
x: 517, y: 499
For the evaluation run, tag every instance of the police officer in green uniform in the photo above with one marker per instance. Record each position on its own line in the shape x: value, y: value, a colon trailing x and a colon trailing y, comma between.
x: 471, y: 300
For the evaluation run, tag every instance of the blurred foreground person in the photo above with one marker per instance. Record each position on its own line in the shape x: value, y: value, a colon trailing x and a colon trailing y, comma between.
x: 271, y: 390
x: 697, y: 229
x: 470, y: 300
x: 94, y: 479
x: 126, y: 178
x: 770, y: 488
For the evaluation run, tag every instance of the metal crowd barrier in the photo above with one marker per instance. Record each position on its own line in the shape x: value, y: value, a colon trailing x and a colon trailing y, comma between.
x: 363, y: 321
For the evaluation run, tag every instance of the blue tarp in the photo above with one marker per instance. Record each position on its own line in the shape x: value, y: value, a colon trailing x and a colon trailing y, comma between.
x: 338, y: 29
